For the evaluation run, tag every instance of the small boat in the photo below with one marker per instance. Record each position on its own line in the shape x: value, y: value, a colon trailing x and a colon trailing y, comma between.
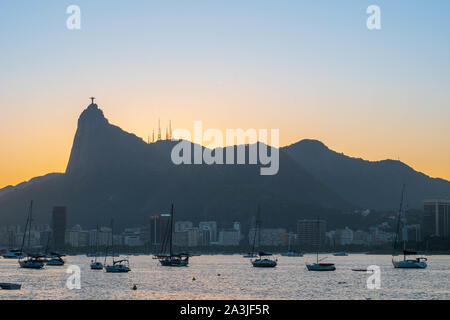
x: 13, y: 254
x: 318, y: 266
x: 261, y: 262
x: 32, y: 261
x: 10, y: 286
x: 340, y: 254
x: 321, y: 267
x: 96, y: 265
x: 118, y: 266
x: 55, y: 261
x: 171, y: 259
x: 417, y: 263
x: 180, y: 260
x: 264, y: 262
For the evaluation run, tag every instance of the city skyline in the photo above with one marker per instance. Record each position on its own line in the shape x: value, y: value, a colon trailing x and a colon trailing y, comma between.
x: 313, y: 70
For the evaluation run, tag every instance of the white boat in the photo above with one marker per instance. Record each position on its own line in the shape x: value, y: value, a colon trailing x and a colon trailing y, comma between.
x: 340, y: 254
x: 417, y: 263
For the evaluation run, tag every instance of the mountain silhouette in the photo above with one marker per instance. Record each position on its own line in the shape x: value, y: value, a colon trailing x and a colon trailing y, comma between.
x: 368, y: 184
x: 115, y: 174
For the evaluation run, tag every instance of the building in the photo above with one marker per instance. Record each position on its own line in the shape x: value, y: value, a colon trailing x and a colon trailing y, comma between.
x: 267, y: 237
x: 211, y: 227
x: 180, y: 239
x: 311, y: 233
x: 344, y: 236
x: 181, y: 226
x: 59, y: 222
x: 230, y: 237
x: 436, y: 219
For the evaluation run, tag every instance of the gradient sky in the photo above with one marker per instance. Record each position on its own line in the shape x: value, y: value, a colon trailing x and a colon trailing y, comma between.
x: 310, y: 68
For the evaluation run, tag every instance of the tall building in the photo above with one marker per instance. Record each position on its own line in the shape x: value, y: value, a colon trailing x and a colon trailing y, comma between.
x: 182, y: 226
x: 436, y: 219
x: 311, y: 233
x: 59, y: 222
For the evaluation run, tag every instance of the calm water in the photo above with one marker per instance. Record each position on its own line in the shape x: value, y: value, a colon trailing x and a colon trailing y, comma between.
x: 237, y: 280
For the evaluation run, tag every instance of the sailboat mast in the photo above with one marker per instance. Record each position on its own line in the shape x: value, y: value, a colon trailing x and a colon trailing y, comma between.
x: 26, y: 228
x: 171, y: 229
x: 96, y: 249
x: 112, y: 238
x: 29, y: 229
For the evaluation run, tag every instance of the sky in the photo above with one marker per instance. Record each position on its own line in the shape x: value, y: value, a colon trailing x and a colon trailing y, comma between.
x: 311, y: 69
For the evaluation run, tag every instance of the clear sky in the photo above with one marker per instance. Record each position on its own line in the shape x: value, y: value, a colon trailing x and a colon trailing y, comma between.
x: 310, y: 68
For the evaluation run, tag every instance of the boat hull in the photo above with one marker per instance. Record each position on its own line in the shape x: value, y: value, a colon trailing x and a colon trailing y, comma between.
x: 264, y: 263
x: 117, y: 269
x: 10, y: 286
x: 28, y: 264
x: 409, y: 264
x: 174, y: 263
x: 96, y: 266
x: 321, y: 267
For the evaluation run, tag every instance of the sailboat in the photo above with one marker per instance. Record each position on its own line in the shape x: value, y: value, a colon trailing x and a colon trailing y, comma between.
x: 290, y: 252
x: 32, y: 260
x: 53, y: 258
x: 117, y: 266
x: 96, y: 265
x: 417, y: 263
x: 170, y: 259
x: 260, y: 261
x: 319, y: 266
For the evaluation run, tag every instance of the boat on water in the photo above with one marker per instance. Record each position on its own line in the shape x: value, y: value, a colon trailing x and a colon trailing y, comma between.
x: 96, y: 265
x: 118, y: 266
x: 13, y: 254
x: 166, y: 257
x: 55, y: 260
x: 10, y: 286
x: 340, y: 254
x: 416, y: 263
x: 261, y: 261
x: 320, y: 266
x: 30, y: 260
